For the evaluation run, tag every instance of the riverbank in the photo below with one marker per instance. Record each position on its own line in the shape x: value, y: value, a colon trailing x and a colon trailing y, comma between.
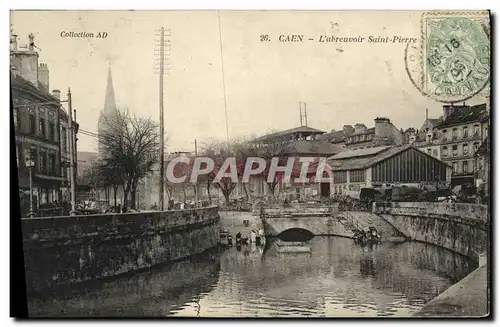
x: 467, y: 298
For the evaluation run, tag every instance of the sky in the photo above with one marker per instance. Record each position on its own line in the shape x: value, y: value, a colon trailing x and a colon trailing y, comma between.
x: 264, y: 81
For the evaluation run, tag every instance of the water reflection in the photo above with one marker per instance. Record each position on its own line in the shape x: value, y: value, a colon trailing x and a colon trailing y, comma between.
x: 338, y: 278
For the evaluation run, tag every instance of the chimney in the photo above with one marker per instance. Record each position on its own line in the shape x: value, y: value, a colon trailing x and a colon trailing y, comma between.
x: 31, y: 44
x: 382, y: 127
x: 57, y: 94
x: 43, y: 76
x: 13, y: 42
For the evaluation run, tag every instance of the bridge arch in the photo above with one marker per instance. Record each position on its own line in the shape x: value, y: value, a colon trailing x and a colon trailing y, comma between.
x: 296, y: 234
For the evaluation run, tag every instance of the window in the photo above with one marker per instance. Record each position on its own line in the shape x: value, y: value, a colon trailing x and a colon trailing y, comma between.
x: 429, y: 138
x: 445, y: 135
x: 64, y: 144
x: 486, y: 131
x: 465, y: 166
x: 465, y: 132
x: 465, y: 148
x: 43, y: 162
x: 17, y: 154
x: 476, y: 130
x: 52, y: 131
x: 445, y: 151
x: 476, y: 146
x: 357, y: 176
x: 32, y: 124
x: 429, y: 151
x: 454, y: 150
x: 434, y: 153
x: 455, y: 167
x: 52, y: 164
x: 340, y: 177
x: 454, y: 133
x: 14, y: 116
x: 41, y: 127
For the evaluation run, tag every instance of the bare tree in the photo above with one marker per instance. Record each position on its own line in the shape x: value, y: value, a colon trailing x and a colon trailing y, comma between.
x: 243, y: 149
x: 131, y: 146
x: 219, y: 152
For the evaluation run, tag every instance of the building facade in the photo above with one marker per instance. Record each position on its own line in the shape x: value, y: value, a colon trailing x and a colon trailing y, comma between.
x: 361, y: 137
x: 298, y: 142
x: 483, y: 166
x: 386, y: 166
x: 41, y: 127
x: 455, y: 138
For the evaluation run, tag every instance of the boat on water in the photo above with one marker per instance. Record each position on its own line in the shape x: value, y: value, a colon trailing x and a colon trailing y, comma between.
x: 292, y: 247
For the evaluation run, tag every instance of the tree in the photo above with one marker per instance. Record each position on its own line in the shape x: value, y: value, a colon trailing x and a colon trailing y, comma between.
x: 219, y: 152
x: 131, y: 146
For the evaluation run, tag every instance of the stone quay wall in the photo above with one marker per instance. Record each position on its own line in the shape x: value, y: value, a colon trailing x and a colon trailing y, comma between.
x: 460, y: 227
x: 67, y: 250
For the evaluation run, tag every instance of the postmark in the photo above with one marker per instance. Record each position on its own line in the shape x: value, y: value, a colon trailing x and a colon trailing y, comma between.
x: 455, y: 55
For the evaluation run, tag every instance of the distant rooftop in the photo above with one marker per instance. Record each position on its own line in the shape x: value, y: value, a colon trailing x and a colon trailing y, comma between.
x: 304, y: 130
x: 361, y: 162
x: 359, y: 153
x: 465, y: 114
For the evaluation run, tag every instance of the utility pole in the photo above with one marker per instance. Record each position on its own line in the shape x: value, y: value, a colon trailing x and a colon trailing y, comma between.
x: 162, y: 124
x: 71, y: 155
x: 75, y: 149
x: 196, y: 190
x: 303, y: 113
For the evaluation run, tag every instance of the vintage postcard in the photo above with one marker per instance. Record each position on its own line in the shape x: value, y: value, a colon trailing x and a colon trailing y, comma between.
x: 252, y: 163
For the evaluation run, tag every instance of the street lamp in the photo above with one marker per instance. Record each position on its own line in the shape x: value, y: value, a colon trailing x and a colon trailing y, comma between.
x: 30, y: 164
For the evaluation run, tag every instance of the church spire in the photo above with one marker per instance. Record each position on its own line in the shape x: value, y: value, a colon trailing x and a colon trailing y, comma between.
x: 109, y: 102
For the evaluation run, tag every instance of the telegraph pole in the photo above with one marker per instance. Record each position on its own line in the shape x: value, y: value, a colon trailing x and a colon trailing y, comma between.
x: 71, y: 155
x: 303, y: 113
x: 163, y: 45
x: 162, y: 127
x: 196, y: 190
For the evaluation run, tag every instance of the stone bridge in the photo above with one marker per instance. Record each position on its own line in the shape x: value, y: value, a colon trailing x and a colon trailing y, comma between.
x: 460, y: 227
x: 325, y: 222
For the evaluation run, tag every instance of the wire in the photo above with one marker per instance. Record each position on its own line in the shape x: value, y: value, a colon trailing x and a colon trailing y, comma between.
x: 223, y: 73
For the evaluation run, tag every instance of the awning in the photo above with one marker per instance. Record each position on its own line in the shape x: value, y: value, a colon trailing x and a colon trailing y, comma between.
x: 47, y: 181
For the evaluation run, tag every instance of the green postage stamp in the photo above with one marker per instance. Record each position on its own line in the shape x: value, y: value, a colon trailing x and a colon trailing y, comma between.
x: 455, y: 54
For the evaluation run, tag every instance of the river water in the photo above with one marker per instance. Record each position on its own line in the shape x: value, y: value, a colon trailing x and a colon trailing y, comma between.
x: 337, y: 279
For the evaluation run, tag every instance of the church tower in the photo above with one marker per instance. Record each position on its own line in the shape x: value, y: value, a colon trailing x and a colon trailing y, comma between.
x: 109, y: 107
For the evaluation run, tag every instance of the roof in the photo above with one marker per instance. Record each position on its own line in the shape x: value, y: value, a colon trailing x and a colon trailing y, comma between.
x: 333, y: 137
x: 313, y: 147
x: 461, y: 115
x: 359, y: 153
x: 19, y: 82
x: 352, y: 163
x: 300, y: 129
x: 435, y: 121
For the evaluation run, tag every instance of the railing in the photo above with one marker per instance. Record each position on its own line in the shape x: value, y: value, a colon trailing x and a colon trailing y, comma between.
x: 298, y: 211
x: 468, y: 211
